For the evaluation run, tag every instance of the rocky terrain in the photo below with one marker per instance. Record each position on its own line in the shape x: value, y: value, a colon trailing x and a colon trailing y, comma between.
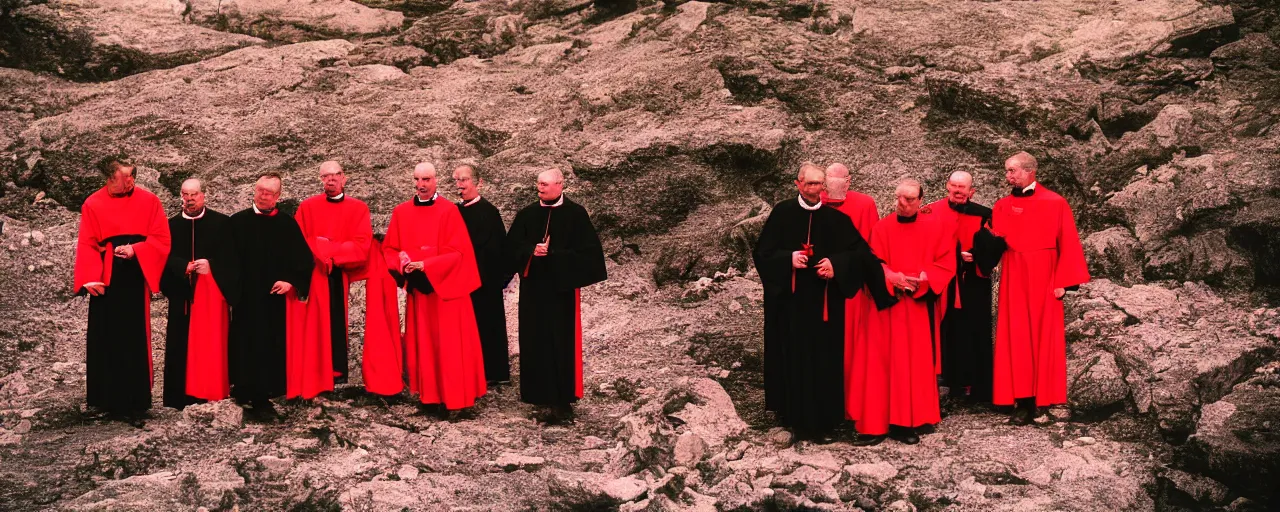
x: 678, y: 124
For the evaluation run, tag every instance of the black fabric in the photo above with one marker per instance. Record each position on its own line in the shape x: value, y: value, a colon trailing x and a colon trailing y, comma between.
x: 987, y: 250
x: 967, y: 353
x: 117, y: 344
x: 208, y: 237
x: 338, y: 324
x: 804, y: 355
x: 1019, y: 192
x: 335, y: 199
x: 906, y: 220
x: 267, y: 249
x: 484, y: 225
x: 419, y: 202
x: 548, y: 334
x: 419, y: 282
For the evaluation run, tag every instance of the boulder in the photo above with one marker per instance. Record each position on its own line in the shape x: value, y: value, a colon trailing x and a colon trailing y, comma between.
x: 627, y: 488
x: 1236, y: 440
x: 1096, y: 385
x: 220, y: 414
x: 875, y: 472
x: 712, y: 415
x: 689, y: 449
x: 1114, y: 253
x: 313, y: 19
x: 513, y: 461
x: 1252, y: 53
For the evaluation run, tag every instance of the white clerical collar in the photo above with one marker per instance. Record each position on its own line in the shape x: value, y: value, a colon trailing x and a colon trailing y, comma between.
x: 202, y: 210
x: 337, y: 197
x: 558, y: 202
x: 806, y: 206
x: 256, y: 210
x: 471, y: 202
x: 1030, y: 187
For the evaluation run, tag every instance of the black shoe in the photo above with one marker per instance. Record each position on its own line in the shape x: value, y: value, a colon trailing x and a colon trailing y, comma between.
x: 866, y: 440
x: 907, y: 436
x: 1022, y: 416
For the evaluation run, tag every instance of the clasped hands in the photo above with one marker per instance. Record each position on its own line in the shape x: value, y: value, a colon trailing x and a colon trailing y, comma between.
x: 801, y: 260
x: 906, y: 283
x: 200, y: 266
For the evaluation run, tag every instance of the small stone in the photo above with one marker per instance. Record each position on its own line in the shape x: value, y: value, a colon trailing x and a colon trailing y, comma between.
x: 593, y: 442
x: 23, y: 427
x: 37, y: 238
x: 877, y: 472
x: 407, y: 472
x: 26, y: 242
x: 1086, y: 440
x: 31, y: 268
x: 724, y: 374
x: 13, y: 247
x: 690, y: 449
x: 781, y: 436
x: 625, y: 489
x: 275, y: 466
x: 512, y: 461
x: 738, y: 451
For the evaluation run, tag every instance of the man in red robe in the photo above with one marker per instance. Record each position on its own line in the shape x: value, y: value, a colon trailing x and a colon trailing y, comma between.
x: 428, y: 246
x: 861, y: 209
x: 120, y: 254
x: 962, y: 317
x: 382, y: 360
x: 338, y: 230
x: 896, y: 376
x: 195, y: 350
x: 1043, y: 260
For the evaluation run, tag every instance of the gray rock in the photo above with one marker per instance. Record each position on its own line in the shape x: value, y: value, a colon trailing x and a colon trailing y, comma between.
x: 1096, y: 383
x: 1114, y: 253
x: 1200, y: 489
x: 689, y: 449
x: 1236, y: 438
x: 37, y: 238
x: 713, y: 417
x: 513, y: 461
x: 220, y: 414
x: 876, y: 472
x: 275, y: 467
x: 624, y: 489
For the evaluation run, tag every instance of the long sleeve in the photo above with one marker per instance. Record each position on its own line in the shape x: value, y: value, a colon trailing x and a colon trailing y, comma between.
x: 300, y: 261
x: 355, y: 250
x: 88, y: 266
x: 581, y: 263
x: 153, y: 252
x: 174, y: 282
x: 773, y: 261
x: 1071, y: 269
x: 452, y: 270
x: 519, y: 243
x: 943, y: 268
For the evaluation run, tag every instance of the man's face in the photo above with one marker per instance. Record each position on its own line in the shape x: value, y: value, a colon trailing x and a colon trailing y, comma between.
x: 193, y: 200
x: 121, y: 182
x: 908, y: 201
x: 424, y: 182
x: 549, y: 188
x: 334, y: 180
x: 468, y: 188
x: 959, y: 191
x: 810, y: 185
x: 1017, y: 176
x: 266, y: 193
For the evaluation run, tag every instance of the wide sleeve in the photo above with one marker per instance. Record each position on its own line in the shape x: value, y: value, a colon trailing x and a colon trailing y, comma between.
x: 153, y: 252
x: 581, y: 263
x: 943, y: 268
x: 174, y: 282
x: 224, y: 265
x: 354, y: 251
x: 849, y: 259
x: 452, y: 270
x: 300, y: 261
x: 517, y: 248
x: 879, y: 287
x: 489, y: 255
x: 1071, y: 269
x: 88, y: 267
x: 772, y: 259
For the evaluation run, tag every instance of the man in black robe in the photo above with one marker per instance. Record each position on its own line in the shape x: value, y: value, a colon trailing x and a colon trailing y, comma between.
x: 201, y: 241
x: 275, y: 270
x: 484, y: 225
x: 810, y: 259
x: 556, y: 250
x: 965, y: 310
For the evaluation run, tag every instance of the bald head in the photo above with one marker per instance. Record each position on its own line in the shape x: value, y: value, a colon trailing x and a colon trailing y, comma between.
x: 960, y: 187
x: 1020, y: 169
x: 424, y: 180
x: 333, y: 179
x: 837, y: 181
x: 550, y: 184
x: 192, y: 192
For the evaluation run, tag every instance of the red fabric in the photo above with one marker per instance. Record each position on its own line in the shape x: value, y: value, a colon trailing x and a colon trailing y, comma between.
x: 303, y: 359
x: 861, y: 209
x: 442, y: 342
x: 103, y: 217
x: 577, y: 348
x: 381, y: 363
x: 1044, y: 253
x: 207, y: 376
x: 894, y: 377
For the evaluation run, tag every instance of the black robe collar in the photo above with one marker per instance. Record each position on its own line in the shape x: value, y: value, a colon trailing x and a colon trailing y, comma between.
x: 429, y: 202
x: 907, y: 220
x: 336, y: 199
x: 197, y: 216
x: 1025, y: 192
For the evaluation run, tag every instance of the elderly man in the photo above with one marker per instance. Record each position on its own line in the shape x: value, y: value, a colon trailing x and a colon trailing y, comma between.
x: 1044, y: 259
x: 963, y: 313
x: 484, y: 224
x: 275, y: 267
x: 337, y: 228
x: 120, y: 254
x: 894, y: 362
x: 428, y: 249
x: 195, y: 353
x: 556, y: 250
x: 810, y: 259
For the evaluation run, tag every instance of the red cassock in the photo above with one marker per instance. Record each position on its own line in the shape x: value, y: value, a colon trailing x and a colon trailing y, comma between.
x: 1043, y: 253
x: 381, y: 362
x: 207, y: 377
x: 964, y: 227
x: 861, y: 208
x: 893, y: 376
x: 442, y: 343
x: 103, y: 217
x: 347, y: 233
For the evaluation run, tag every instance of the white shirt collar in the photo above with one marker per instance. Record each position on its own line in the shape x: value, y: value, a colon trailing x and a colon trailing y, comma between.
x: 471, y: 202
x: 202, y: 210
x: 337, y: 197
x: 1030, y: 187
x: 256, y: 210
x: 559, y: 202
x: 806, y: 206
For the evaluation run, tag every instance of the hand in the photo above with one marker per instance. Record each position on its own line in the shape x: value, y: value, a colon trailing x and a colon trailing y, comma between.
x: 799, y: 260
x: 281, y: 288
x: 540, y: 249
x: 124, y: 251
x: 825, y: 269
x: 413, y: 266
x: 1059, y: 292
x: 910, y: 284
x: 191, y: 267
x: 966, y: 256
x: 201, y: 266
x: 95, y: 289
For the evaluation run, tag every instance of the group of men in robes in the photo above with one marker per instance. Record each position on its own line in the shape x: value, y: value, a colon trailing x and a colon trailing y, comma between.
x: 258, y: 301
x: 924, y: 311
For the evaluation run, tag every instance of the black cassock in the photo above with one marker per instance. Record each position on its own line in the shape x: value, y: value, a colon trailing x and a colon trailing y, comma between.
x: 484, y: 224
x: 210, y: 238
x: 550, y: 320
x: 268, y: 248
x: 804, y: 353
x: 967, y: 355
